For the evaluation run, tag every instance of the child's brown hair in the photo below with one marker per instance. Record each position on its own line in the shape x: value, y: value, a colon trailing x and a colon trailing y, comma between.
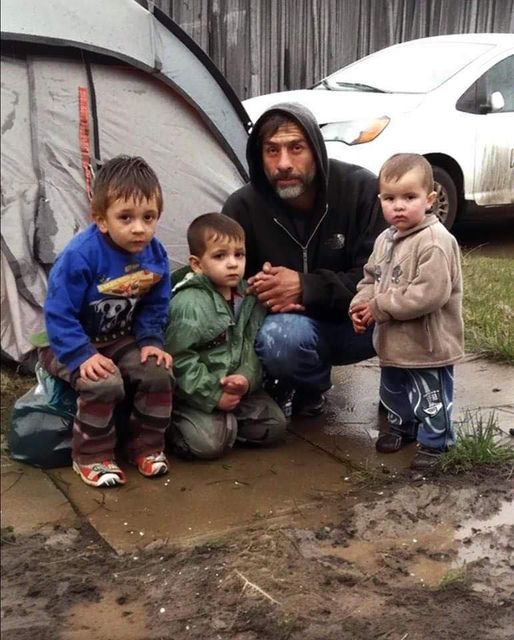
x: 212, y: 226
x: 401, y: 163
x: 125, y: 177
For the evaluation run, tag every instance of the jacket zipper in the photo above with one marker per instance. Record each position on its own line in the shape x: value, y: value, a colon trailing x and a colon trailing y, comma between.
x: 429, y: 335
x: 305, y: 247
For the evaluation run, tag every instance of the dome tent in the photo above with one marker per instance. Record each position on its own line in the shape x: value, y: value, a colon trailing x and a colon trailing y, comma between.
x: 83, y: 81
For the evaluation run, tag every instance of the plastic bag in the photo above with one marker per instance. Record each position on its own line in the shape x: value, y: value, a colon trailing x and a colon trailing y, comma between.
x: 41, y: 423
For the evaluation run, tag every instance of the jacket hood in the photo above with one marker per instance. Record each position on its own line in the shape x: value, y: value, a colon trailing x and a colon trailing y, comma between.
x: 305, y: 119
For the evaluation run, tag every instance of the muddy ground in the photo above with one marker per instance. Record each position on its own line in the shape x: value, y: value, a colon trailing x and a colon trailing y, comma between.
x: 403, y: 560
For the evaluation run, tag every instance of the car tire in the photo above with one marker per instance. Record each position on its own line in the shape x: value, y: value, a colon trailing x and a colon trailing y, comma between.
x: 446, y: 204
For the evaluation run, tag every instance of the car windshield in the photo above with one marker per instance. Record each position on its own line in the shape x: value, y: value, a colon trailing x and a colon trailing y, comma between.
x: 411, y: 68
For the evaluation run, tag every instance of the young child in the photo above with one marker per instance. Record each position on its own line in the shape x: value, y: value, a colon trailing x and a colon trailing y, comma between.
x: 105, y: 313
x: 211, y: 333
x: 412, y: 290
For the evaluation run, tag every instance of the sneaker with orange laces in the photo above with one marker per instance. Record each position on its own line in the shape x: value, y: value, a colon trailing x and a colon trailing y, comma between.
x: 153, y: 464
x: 100, y: 474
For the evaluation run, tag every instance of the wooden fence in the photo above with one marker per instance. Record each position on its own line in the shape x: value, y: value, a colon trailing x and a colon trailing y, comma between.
x: 274, y: 45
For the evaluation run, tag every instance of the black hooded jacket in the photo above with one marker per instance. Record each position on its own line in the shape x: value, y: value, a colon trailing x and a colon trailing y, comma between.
x: 342, y: 226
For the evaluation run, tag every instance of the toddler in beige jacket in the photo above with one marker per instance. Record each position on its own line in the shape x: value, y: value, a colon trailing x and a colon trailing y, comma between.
x: 412, y: 291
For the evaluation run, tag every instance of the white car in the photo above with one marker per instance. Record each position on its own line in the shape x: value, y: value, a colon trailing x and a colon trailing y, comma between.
x: 449, y: 98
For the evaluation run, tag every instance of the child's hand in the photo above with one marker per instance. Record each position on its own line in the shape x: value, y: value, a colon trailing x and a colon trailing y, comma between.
x: 228, y: 401
x: 366, y: 315
x: 96, y: 367
x: 358, y: 327
x: 235, y: 384
x: 162, y: 356
x: 361, y: 316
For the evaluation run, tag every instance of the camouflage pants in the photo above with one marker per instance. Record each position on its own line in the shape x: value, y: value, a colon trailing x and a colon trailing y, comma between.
x: 94, y: 433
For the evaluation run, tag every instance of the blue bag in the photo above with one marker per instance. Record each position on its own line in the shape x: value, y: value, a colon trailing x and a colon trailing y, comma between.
x: 41, y: 423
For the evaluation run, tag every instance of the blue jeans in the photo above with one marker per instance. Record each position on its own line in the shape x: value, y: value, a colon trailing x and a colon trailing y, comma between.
x: 300, y: 351
x: 419, y: 404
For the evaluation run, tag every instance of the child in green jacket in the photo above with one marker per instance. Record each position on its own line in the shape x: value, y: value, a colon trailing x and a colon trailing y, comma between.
x: 211, y: 334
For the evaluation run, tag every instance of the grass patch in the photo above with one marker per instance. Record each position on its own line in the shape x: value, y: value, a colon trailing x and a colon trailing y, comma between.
x: 453, y: 577
x: 489, y: 306
x: 478, y: 444
x: 12, y: 386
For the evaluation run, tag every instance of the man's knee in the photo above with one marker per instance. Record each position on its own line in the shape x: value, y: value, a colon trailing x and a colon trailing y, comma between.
x: 280, y: 340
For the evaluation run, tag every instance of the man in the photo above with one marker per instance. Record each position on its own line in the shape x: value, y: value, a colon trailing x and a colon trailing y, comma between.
x: 310, y: 224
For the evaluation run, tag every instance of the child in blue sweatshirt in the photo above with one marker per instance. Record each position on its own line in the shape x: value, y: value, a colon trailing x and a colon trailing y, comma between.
x: 105, y: 313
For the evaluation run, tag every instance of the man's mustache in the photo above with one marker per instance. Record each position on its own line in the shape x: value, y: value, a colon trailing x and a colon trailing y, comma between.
x: 287, y: 175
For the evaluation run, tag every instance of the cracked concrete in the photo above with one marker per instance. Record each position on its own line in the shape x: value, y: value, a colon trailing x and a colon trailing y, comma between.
x: 207, y: 500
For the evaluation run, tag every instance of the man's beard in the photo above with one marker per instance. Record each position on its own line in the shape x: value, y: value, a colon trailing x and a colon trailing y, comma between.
x: 293, y: 191
x: 289, y: 193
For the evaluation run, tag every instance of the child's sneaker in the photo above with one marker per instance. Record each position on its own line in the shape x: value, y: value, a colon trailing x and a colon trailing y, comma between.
x: 388, y: 442
x: 426, y: 459
x: 153, y: 464
x: 100, y: 474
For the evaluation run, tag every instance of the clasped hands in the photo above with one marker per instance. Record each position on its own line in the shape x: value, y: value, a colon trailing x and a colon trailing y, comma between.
x: 361, y: 316
x: 277, y: 288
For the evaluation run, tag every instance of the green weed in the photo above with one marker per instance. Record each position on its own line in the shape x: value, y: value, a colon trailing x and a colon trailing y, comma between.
x: 478, y: 444
x: 453, y: 577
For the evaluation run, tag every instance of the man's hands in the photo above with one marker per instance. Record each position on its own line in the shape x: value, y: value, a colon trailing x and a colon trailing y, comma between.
x: 362, y: 317
x: 162, y: 356
x: 278, y: 288
x: 235, y: 387
x: 99, y: 366
x: 96, y: 367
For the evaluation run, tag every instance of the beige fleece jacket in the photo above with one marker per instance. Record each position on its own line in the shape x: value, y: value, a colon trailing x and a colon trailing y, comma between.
x: 413, y: 282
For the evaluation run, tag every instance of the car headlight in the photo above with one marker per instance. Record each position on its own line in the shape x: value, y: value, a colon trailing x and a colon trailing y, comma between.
x: 355, y: 131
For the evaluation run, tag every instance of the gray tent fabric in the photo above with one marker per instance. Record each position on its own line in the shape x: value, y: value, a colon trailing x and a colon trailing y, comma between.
x: 196, y: 148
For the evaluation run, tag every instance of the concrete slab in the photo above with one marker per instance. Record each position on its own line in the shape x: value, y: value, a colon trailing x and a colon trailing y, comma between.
x: 481, y: 384
x: 351, y: 423
x: 202, y: 501
x: 207, y: 500
x: 30, y: 500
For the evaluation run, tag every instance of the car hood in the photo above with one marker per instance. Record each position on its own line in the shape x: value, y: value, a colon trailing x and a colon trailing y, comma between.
x: 337, y: 106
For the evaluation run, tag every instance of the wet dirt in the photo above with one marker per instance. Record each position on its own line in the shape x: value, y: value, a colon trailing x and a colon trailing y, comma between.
x: 402, y: 560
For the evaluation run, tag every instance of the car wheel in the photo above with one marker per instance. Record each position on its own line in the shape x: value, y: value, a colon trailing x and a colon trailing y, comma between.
x: 446, y: 203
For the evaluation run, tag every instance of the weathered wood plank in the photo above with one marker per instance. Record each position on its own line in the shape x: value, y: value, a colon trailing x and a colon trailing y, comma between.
x: 273, y: 45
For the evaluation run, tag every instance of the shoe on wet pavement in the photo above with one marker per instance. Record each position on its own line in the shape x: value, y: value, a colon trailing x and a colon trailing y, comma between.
x: 308, y: 404
x: 153, y: 464
x: 426, y: 459
x: 388, y: 442
x: 100, y: 474
x: 282, y: 394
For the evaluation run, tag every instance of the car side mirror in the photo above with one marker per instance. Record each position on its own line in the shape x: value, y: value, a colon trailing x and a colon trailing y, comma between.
x: 495, y: 103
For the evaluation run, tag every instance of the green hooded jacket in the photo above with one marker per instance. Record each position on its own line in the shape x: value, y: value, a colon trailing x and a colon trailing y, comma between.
x: 207, y: 342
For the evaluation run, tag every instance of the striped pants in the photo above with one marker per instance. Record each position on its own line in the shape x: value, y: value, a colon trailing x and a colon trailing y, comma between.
x: 150, y: 386
x: 419, y: 404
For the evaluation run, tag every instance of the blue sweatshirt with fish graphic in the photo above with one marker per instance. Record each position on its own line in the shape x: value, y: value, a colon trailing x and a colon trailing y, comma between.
x: 98, y: 292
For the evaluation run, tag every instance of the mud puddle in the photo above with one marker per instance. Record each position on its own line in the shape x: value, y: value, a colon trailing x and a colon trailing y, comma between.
x: 426, y: 537
x: 423, y: 562
x: 115, y: 616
